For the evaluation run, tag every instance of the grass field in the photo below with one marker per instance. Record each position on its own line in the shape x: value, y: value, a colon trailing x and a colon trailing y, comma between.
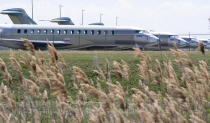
x: 97, y: 86
x: 92, y: 60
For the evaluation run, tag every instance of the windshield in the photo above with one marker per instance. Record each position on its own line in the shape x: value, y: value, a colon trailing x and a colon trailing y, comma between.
x: 174, y: 36
x: 142, y: 31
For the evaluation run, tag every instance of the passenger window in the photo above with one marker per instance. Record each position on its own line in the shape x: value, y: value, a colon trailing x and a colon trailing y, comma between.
x: 105, y: 32
x: 58, y: 32
x: 112, y: 32
x: 32, y: 31
x: 39, y: 31
x: 86, y: 32
x: 45, y: 31
x: 25, y: 31
x: 65, y: 32
x: 92, y: 32
x: 18, y: 31
x: 79, y: 32
x: 72, y: 32
x: 99, y: 32
x: 52, y: 31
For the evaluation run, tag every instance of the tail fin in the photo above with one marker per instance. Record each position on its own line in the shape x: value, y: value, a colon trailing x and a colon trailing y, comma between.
x: 18, y: 16
x: 62, y: 21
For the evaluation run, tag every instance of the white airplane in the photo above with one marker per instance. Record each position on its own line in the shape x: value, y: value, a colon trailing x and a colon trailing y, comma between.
x: 67, y: 35
x: 74, y: 37
x: 206, y: 42
x: 192, y: 42
x: 168, y: 39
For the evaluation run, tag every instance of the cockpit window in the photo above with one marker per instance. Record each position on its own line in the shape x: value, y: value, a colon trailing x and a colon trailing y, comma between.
x: 174, y: 36
x: 142, y: 31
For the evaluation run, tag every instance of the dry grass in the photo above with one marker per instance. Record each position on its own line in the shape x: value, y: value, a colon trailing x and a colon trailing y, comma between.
x: 45, y: 95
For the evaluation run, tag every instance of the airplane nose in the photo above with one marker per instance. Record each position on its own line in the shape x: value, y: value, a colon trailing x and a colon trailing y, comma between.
x: 153, y: 39
x: 183, y: 43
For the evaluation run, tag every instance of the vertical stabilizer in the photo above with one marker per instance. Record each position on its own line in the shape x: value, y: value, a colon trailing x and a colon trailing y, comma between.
x: 62, y: 21
x: 18, y: 16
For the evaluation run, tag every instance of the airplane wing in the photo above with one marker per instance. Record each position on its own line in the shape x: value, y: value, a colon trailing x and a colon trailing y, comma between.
x: 10, y: 12
x: 42, y: 44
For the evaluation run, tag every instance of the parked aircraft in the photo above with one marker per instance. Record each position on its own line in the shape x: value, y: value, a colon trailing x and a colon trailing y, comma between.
x: 167, y: 40
x: 192, y: 42
x: 206, y: 42
x: 74, y: 37
x: 69, y: 36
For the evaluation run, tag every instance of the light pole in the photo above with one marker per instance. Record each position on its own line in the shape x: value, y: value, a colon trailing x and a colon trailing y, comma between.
x: 60, y: 7
x: 209, y: 25
x: 101, y: 14
x: 116, y: 21
x: 32, y: 9
x: 83, y: 16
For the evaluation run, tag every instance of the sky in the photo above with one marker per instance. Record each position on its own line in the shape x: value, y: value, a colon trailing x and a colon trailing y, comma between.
x: 175, y: 16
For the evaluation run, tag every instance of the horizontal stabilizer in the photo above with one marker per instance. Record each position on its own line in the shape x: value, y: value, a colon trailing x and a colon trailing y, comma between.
x: 98, y: 24
x: 62, y: 21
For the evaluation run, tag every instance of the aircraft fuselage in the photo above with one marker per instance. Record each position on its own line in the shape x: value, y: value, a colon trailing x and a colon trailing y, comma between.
x: 73, y: 37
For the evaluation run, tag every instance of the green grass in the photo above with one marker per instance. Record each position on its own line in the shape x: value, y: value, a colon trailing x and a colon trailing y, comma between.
x: 91, y: 60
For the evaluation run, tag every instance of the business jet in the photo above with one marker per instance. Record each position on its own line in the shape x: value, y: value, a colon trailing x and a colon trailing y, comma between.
x: 74, y: 37
x: 192, y: 42
x: 167, y: 40
x: 206, y: 42
x: 66, y: 35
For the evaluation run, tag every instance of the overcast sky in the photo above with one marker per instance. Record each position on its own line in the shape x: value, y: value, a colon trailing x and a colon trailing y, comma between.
x: 176, y: 16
